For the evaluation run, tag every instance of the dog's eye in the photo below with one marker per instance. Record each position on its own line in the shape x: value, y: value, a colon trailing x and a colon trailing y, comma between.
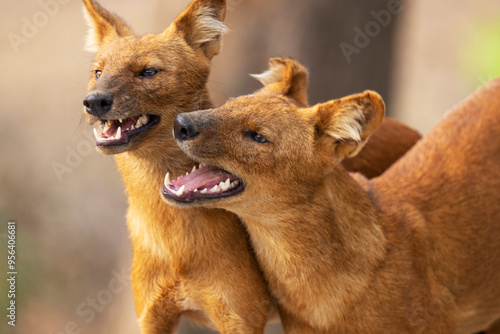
x: 257, y: 137
x: 149, y: 72
x: 97, y: 74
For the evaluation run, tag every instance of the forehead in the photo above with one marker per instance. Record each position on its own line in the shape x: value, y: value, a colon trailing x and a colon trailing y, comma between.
x: 262, y: 109
x: 139, y: 50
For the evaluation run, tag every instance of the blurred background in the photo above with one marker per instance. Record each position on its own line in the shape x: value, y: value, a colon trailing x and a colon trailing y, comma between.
x: 422, y: 56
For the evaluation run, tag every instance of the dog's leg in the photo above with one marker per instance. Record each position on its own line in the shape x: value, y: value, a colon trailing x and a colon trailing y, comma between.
x: 154, y: 298
x: 248, y: 317
x: 160, y: 318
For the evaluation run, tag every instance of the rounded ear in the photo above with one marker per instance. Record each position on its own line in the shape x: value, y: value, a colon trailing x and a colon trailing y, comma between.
x: 346, y: 124
x: 285, y: 76
x: 104, y: 26
x: 201, y: 25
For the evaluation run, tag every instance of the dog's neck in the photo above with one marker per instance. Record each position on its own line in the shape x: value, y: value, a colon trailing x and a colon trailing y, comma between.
x: 320, y: 248
x: 143, y: 172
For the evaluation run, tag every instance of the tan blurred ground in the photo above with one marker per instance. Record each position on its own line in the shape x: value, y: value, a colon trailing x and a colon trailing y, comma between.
x: 72, y: 238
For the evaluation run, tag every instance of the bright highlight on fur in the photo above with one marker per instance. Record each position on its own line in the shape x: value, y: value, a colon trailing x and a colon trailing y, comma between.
x: 272, y: 75
x: 208, y: 27
x: 348, y: 125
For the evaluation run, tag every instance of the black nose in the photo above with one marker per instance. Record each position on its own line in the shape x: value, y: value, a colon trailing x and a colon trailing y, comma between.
x: 184, y: 128
x: 98, y: 104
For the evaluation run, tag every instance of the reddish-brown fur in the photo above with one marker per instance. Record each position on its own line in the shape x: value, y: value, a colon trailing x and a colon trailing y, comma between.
x: 416, y: 250
x: 392, y: 140
x: 194, y: 262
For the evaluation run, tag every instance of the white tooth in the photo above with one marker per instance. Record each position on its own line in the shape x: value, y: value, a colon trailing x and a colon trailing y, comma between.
x: 215, y: 189
x: 201, y: 165
x: 194, y: 168
x: 179, y: 192
x: 167, y: 180
x: 145, y: 119
x: 121, y: 120
x: 119, y: 133
x: 204, y: 191
x: 132, y: 128
x: 97, y: 137
x: 234, y: 184
x: 187, y: 173
x: 195, y: 191
x: 138, y: 123
x: 225, y: 185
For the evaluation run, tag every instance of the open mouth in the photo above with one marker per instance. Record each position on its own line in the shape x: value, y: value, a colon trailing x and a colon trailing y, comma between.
x: 205, y: 182
x: 117, y: 132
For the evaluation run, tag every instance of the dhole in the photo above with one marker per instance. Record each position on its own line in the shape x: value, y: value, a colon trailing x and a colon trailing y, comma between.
x: 416, y: 250
x: 195, y: 262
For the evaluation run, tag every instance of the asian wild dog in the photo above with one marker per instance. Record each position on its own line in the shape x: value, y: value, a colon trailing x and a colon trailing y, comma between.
x: 194, y: 263
x: 197, y: 262
x: 415, y: 250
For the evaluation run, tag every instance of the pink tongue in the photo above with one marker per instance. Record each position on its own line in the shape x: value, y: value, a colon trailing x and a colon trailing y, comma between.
x: 127, y: 124
x: 204, y: 177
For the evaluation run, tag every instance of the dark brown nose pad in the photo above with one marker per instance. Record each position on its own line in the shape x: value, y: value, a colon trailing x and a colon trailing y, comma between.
x: 184, y: 128
x: 98, y: 104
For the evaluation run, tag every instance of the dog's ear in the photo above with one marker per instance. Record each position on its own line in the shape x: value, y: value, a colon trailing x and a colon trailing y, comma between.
x: 287, y: 77
x: 104, y: 26
x: 201, y: 25
x: 346, y: 124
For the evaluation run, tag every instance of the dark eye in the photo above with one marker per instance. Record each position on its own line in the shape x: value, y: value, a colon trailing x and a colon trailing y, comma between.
x: 257, y: 137
x: 97, y: 74
x: 149, y: 72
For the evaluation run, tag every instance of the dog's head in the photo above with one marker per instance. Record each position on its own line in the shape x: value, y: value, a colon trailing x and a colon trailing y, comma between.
x: 140, y: 83
x: 267, y: 144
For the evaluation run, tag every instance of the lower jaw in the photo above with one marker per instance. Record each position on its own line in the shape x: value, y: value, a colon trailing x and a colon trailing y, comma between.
x: 196, y: 200
x: 113, y: 149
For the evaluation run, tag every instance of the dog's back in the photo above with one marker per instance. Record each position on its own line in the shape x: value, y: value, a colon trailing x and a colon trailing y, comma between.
x: 452, y: 180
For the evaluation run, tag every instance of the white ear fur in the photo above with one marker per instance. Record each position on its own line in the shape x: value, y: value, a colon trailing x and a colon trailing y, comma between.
x: 348, y: 124
x: 272, y: 75
x: 287, y: 77
x: 350, y: 121
x: 202, y: 27
x: 207, y: 27
x: 91, y: 40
